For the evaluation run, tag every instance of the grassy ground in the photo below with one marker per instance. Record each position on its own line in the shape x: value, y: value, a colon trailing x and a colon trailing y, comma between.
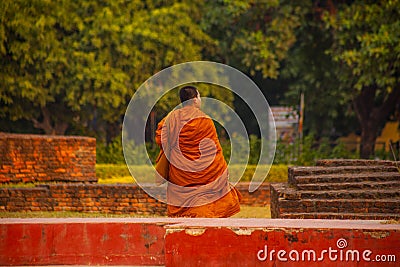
x: 254, y: 212
x: 246, y: 212
x: 66, y: 214
x: 119, y: 173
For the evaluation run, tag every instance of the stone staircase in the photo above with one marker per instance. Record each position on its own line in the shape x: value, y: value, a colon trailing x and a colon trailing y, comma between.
x: 339, y: 189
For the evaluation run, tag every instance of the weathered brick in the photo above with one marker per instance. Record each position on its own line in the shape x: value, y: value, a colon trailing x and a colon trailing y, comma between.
x: 346, y: 190
x: 23, y: 154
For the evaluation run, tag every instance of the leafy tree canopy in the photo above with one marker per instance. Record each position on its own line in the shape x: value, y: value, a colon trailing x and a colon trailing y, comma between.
x: 366, y: 47
x: 253, y: 35
x: 63, y: 61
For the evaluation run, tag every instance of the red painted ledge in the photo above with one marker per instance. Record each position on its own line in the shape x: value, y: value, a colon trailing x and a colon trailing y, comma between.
x: 198, y: 242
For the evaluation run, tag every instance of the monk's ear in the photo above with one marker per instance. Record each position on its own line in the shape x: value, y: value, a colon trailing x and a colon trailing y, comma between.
x: 197, y: 101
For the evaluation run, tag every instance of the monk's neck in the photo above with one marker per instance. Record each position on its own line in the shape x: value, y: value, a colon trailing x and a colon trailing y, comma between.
x: 190, y: 107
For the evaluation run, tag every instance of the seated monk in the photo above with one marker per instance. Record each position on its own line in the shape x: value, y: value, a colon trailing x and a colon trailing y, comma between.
x: 198, y: 175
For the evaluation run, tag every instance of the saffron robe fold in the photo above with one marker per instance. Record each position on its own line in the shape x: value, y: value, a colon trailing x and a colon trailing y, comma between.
x: 198, y: 173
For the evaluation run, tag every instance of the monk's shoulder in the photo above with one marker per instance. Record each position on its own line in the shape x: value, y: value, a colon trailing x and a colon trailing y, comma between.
x: 173, y: 116
x: 200, y: 114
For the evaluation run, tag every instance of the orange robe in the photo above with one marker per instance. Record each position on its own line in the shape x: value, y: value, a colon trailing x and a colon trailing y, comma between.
x: 198, y: 173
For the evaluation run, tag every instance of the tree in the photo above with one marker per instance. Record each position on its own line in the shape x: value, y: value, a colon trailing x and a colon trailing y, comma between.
x: 69, y: 63
x: 52, y: 74
x: 310, y: 70
x: 253, y: 36
x: 366, y: 45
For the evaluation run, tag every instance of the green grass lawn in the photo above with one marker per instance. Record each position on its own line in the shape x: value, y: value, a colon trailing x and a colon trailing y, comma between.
x: 246, y: 212
x: 119, y: 173
x: 253, y: 212
x: 67, y: 214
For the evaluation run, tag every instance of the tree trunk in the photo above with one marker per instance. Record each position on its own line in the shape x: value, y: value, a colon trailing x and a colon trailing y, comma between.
x: 372, y: 117
x: 113, y: 129
x: 59, y: 128
x: 368, y: 139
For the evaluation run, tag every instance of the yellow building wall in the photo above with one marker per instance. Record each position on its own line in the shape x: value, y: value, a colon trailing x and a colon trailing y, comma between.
x: 390, y: 132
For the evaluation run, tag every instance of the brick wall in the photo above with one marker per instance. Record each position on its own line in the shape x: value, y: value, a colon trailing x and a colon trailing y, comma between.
x: 112, y: 198
x: 258, y: 198
x: 45, y: 158
x: 115, y: 199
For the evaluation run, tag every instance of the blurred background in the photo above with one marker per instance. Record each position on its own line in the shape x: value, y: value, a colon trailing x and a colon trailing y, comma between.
x: 329, y: 69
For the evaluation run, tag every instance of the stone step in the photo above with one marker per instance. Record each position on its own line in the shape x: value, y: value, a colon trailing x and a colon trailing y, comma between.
x: 387, y: 206
x: 341, y: 216
x: 350, y: 185
x: 281, y: 190
x: 346, y: 194
x: 346, y: 178
x: 355, y: 162
x: 296, y: 171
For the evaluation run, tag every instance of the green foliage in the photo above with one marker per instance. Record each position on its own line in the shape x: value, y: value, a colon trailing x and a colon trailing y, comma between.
x: 113, y: 152
x: 171, y: 100
x: 308, y: 151
x: 366, y: 46
x: 310, y: 70
x: 75, y: 65
x: 110, y: 153
x: 298, y: 153
x: 252, y: 35
x: 340, y: 151
x: 106, y: 171
x: 285, y: 152
x: 386, y: 155
x: 68, y: 62
x: 240, y: 149
x: 255, y: 149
